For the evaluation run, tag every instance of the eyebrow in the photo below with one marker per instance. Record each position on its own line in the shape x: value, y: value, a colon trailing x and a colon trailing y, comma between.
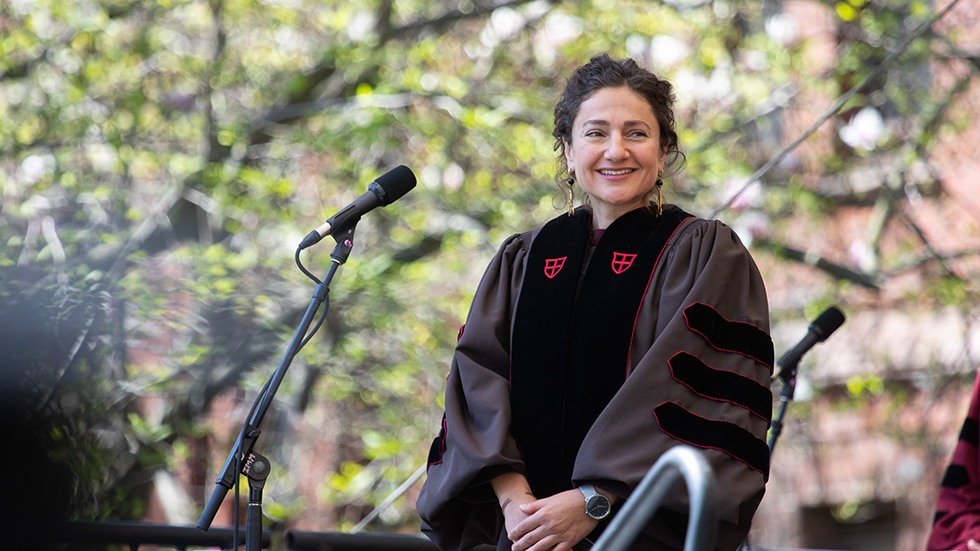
x: 600, y: 122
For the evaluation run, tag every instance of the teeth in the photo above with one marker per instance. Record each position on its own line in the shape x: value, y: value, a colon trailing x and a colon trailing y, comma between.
x: 616, y: 172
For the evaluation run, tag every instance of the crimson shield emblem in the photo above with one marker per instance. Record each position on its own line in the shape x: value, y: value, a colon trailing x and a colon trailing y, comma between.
x: 553, y: 265
x: 622, y: 261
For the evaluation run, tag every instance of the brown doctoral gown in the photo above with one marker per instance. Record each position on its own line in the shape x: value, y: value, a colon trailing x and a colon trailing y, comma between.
x: 569, y: 372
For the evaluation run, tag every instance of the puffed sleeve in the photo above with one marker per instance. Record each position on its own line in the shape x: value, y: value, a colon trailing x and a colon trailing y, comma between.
x: 957, y: 518
x: 701, y: 361
x: 457, y: 505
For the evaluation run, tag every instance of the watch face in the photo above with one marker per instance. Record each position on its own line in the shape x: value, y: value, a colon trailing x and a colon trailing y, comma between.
x: 597, y: 507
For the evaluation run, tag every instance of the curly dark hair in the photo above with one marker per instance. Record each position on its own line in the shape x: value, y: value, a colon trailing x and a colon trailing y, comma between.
x: 604, y: 72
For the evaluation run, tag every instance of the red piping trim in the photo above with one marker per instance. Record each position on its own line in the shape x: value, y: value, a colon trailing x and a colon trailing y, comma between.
x: 702, y: 446
x: 711, y: 344
x: 636, y: 319
x: 741, y: 405
x: 442, y: 443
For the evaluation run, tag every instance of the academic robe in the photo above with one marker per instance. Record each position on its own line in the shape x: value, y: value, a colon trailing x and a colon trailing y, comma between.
x: 697, y: 365
x: 957, y: 519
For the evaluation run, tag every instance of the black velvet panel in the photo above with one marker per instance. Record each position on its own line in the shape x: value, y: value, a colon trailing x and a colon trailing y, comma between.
x: 438, y: 447
x: 970, y: 432
x: 539, y: 345
x: 569, y: 357
x: 730, y: 336
x: 956, y: 477
x: 718, y: 384
x: 723, y: 436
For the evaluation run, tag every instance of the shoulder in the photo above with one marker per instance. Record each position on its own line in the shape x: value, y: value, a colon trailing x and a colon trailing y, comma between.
x: 711, y: 245
x: 695, y: 227
x: 508, y: 264
x: 512, y: 250
x: 518, y: 241
x: 517, y: 244
x: 700, y: 232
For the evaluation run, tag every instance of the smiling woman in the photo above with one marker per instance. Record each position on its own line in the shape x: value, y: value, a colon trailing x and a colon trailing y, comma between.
x: 599, y: 341
x: 615, y: 152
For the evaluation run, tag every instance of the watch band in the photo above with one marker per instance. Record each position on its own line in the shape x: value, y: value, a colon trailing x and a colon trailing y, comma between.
x: 596, y: 505
x: 588, y: 491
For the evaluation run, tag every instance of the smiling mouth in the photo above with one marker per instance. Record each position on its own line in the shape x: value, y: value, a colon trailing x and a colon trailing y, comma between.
x: 620, y: 172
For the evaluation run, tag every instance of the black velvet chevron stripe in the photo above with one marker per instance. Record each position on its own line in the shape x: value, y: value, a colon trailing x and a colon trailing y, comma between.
x: 729, y: 438
x: 956, y: 477
x: 730, y: 336
x: 970, y: 433
x: 717, y: 384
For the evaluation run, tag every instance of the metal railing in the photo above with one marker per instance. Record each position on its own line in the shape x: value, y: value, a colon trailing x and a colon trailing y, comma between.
x: 136, y: 534
x: 680, y: 462
x: 331, y: 541
x: 97, y: 535
x: 184, y: 538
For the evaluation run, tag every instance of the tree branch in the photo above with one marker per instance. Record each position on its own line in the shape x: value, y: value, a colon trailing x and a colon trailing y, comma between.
x: 296, y: 105
x: 835, y: 270
x: 933, y: 253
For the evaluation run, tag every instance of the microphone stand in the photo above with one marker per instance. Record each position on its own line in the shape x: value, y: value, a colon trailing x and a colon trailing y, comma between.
x: 788, y: 374
x: 242, y: 459
x: 820, y: 329
x: 257, y: 470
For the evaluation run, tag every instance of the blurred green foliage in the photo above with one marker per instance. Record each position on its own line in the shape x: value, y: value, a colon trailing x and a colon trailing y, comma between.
x: 160, y: 160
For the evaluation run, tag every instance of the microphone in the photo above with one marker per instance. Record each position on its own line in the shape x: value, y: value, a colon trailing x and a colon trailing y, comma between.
x: 387, y: 188
x: 821, y: 328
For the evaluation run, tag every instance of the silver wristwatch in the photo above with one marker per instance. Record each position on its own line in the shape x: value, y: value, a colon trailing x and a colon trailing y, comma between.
x: 596, y: 504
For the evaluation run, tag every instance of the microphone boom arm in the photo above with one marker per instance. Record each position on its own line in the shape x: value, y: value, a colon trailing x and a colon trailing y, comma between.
x: 251, y: 430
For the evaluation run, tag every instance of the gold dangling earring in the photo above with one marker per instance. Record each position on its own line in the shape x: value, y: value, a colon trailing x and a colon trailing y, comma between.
x: 571, y: 195
x: 660, y: 195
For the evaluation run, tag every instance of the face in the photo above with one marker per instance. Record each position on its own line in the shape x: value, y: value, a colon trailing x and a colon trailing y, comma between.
x: 615, y: 153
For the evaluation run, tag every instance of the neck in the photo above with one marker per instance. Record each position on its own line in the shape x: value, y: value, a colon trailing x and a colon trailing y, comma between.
x: 603, y: 217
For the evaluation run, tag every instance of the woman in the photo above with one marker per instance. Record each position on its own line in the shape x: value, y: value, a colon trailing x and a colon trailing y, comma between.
x: 956, y: 524
x: 600, y: 340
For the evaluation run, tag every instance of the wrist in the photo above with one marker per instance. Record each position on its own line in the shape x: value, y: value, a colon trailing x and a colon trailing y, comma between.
x: 597, y: 506
x: 508, y: 500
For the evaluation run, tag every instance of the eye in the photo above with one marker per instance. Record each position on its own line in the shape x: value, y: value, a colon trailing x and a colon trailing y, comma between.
x: 593, y: 133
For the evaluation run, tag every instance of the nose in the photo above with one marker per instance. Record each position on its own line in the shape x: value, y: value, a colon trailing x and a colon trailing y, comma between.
x: 616, y: 149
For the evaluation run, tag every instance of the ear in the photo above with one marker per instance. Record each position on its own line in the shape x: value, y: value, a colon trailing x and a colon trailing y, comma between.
x: 569, y: 155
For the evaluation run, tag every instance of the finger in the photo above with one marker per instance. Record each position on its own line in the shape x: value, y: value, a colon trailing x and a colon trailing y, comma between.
x: 531, y: 507
x: 521, y: 530
x: 523, y: 544
x: 546, y: 543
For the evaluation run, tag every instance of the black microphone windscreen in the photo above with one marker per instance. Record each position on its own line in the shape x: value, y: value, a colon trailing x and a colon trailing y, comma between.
x: 395, y: 183
x: 828, y: 322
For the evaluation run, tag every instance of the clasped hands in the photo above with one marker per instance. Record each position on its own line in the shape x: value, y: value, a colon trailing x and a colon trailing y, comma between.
x: 553, y: 523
